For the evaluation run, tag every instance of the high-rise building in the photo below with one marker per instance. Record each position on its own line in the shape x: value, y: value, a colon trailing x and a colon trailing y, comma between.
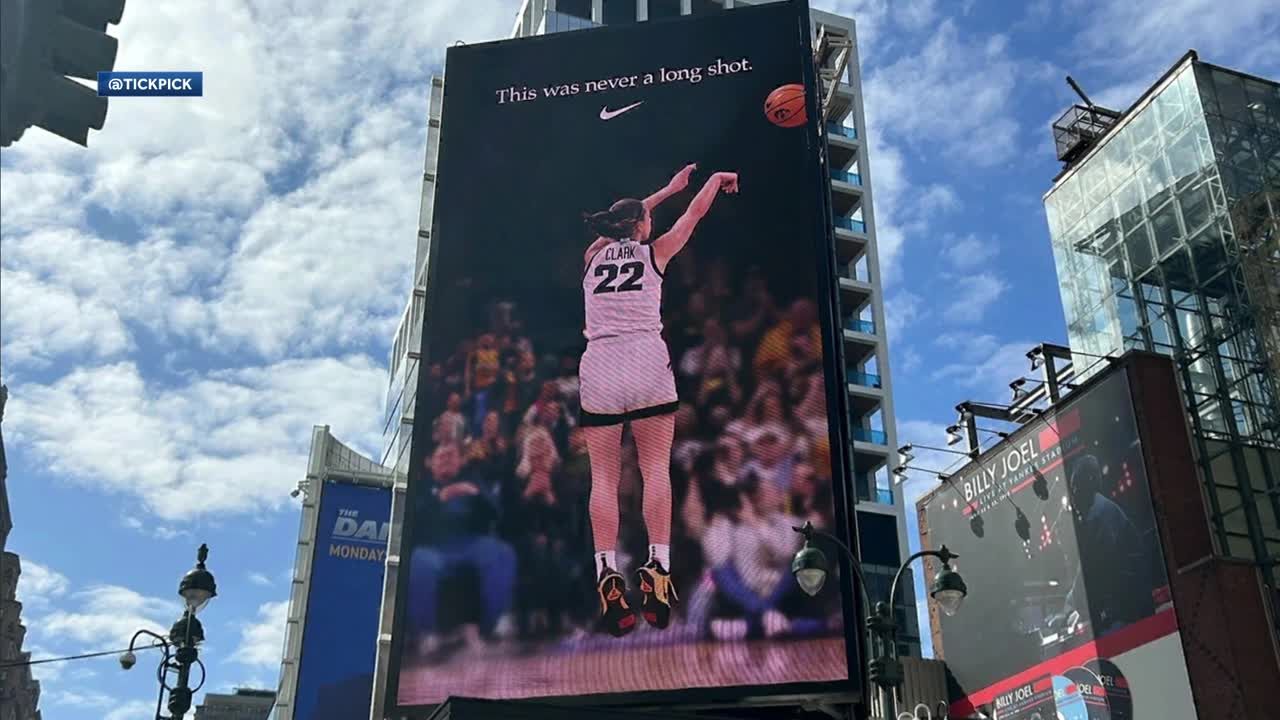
x: 243, y: 704
x: 19, y: 691
x: 881, y: 523
x: 1164, y: 224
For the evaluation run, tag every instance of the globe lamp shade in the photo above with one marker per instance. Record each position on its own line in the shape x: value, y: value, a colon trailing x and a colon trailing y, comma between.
x: 948, y: 590
x: 197, y: 588
x: 810, y: 568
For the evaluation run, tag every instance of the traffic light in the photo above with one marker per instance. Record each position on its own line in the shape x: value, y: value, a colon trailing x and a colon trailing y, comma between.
x: 42, y: 42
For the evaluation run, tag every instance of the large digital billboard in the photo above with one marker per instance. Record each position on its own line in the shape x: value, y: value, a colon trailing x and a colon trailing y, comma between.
x: 340, y: 636
x: 1069, y: 613
x: 624, y: 404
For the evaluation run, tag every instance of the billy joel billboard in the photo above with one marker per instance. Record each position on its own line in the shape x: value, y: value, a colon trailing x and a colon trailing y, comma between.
x: 340, y: 635
x: 629, y: 390
x: 1070, y: 613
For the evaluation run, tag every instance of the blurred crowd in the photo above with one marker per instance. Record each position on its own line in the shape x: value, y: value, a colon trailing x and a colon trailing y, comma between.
x: 510, y: 476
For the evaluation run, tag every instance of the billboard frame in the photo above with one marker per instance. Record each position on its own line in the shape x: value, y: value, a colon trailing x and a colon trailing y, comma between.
x: 844, y: 494
x: 320, y: 473
x: 1164, y: 439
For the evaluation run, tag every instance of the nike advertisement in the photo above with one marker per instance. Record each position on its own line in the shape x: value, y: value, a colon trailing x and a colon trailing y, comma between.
x: 1055, y: 526
x: 628, y: 391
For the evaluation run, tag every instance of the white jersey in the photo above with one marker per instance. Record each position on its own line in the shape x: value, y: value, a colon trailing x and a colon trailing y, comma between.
x: 622, y: 291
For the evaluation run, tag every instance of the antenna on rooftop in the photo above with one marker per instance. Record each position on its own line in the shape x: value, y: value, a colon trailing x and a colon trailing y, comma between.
x: 1076, y: 86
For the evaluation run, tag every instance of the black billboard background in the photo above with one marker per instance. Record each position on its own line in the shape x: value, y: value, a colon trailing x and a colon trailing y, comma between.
x: 516, y: 177
x: 1106, y: 566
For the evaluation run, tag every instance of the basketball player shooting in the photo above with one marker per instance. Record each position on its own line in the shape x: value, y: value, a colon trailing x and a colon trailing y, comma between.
x: 626, y: 377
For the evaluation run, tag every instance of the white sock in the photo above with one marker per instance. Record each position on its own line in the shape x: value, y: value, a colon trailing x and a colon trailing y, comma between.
x: 661, y: 553
x: 605, y: 558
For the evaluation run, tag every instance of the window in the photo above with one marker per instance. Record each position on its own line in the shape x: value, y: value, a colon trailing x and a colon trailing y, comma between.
x: 576, y: 8
x: 1177, y: 275
x: 1264, y: 103
x: 1231, y: 95
x: 619, y: 12
x: 1196, y: 210
x: 1240, y: 149
x: 701, y: 7
x: 1139, y: 247
x: 1204, y: 83
x: 659, y: 9
x: 1104, y: 227
x: 1129, y: 205
x: 1157, y: 182
x: 1184, y: 156
x: 878, y: 539
x: 1172, y: 112
x: 1164, y: 225
x: 1207, y: 253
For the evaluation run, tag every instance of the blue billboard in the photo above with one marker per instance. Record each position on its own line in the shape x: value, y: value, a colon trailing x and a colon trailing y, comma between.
x: 339, y: 640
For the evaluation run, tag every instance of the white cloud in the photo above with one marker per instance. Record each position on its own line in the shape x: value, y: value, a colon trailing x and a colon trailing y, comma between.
x: 1131, y: 39
x: 974, y: 294
x: 84, y: 698
x: 43, y: 320
x: 915, y: 14
x: 986, y: 376
x: 37, y: 584
x: 226, y: 442
x: 968, y: 251
x: 910, y: 360
x: 47, y: 198
x: 258, y: 578
x: 162, y: 532
x: 46, y: 673
x: 262, y: 641
x: 239, y: 251
x: 133, y: 710
x: 108, y: 616
x: 926, y: 432
x: 901, y: 310
x: 967, y: 346
x: 934, y: 101
x: 903, y: 208
x: 1037, y: 14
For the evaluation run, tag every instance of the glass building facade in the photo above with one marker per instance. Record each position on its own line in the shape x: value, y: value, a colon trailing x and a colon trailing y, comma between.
x: 1164, y: 235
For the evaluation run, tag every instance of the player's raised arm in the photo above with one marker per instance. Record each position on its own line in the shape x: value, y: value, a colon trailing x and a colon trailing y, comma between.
x: 677, y: 183
x: 672, y: 241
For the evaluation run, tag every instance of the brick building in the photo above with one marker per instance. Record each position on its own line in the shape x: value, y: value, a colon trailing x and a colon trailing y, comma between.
x: 243, y: 704
x: 19, y: 692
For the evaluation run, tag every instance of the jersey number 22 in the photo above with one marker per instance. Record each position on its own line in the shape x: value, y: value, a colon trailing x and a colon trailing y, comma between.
x: 633, y: 272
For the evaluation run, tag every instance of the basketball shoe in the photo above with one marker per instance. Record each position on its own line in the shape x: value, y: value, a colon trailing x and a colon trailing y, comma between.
x: 616, y: 617
x: 658, y: 594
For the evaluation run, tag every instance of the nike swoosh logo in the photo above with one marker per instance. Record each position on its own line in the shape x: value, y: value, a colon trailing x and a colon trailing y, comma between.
x: 607, y: 114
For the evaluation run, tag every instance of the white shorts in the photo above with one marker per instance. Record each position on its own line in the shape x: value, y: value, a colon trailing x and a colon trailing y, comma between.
x: 626, y: 377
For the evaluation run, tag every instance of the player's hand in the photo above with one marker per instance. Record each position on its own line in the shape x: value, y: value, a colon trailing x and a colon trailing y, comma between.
x: 681, y: 179
x: 728, y: 182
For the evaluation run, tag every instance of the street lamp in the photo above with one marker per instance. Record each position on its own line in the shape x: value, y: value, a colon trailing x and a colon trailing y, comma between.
x: 883, y: 668
x: 196, y: 588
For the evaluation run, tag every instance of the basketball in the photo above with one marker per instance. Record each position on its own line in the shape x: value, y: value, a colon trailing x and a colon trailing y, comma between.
x: 785, y: 106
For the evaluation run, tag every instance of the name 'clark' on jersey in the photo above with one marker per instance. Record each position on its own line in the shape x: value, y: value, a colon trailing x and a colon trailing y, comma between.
x: 622, y: 289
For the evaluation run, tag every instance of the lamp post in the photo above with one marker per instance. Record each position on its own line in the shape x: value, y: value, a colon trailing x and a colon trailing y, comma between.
x: 197, y: 588
x: 883, y: 667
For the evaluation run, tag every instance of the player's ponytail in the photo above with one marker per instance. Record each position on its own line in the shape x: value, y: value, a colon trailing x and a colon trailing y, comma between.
x: 618, y: 222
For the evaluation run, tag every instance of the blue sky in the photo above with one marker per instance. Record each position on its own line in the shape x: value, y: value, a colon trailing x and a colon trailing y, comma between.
x: 186, y: 298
